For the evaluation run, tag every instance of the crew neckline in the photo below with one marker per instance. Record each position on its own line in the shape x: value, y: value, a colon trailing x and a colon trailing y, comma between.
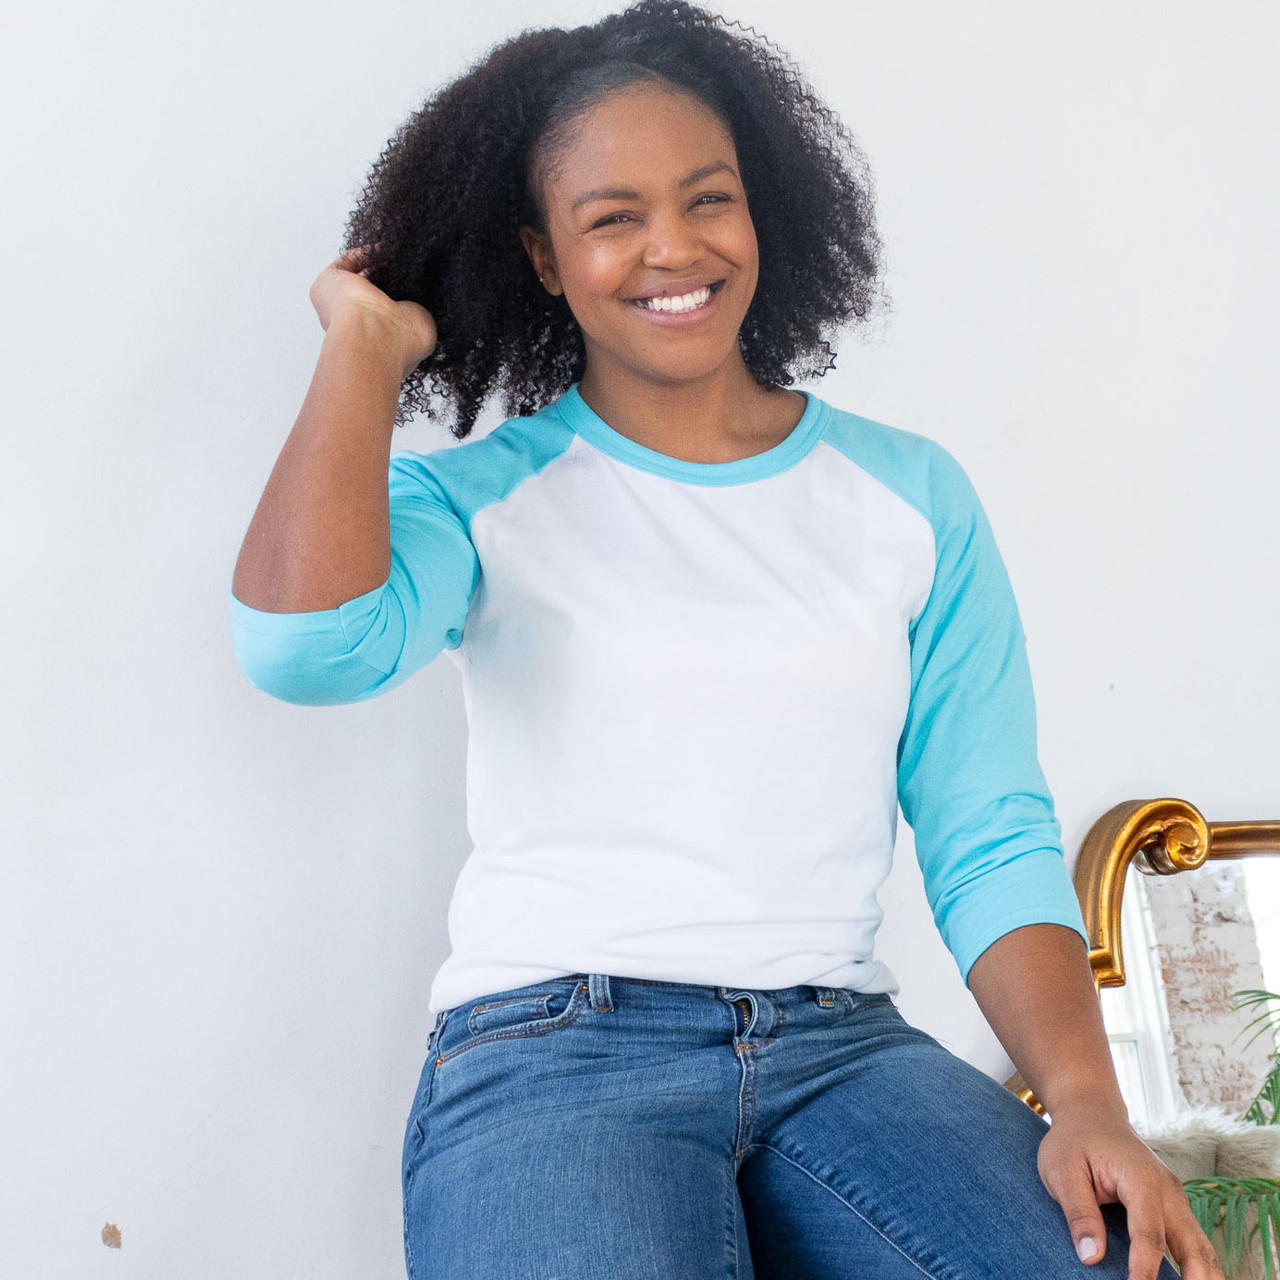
x: 584, y: 420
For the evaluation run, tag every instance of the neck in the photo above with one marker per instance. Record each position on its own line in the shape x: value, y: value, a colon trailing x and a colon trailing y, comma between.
x: 714, y: 417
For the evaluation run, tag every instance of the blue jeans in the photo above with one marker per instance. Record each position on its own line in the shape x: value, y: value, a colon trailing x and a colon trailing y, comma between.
x: 608, y: 1128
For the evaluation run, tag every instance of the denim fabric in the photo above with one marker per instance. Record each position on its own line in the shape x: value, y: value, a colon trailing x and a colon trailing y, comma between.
x: 609, y: 1128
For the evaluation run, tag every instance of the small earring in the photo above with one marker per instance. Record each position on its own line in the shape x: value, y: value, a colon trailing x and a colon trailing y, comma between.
x: 539, y: 279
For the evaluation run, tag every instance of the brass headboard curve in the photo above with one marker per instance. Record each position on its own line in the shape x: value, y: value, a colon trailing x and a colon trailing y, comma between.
x: 1161, y: 838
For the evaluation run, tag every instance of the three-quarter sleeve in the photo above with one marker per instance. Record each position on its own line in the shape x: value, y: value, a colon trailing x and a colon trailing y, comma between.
x: 969, y: 779
x: 375, y: 641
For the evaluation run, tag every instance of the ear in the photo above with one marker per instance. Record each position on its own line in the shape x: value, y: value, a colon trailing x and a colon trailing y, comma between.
x: 538, y: 247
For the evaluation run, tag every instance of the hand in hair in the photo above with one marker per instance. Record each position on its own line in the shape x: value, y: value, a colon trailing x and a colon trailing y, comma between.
x: 343, y: 286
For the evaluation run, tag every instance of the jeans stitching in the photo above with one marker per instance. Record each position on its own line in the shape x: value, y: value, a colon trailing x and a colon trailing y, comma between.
x: 570, y: 1015
x: 408, y: 1248
x: 415, y: 1122
x: 734, y: 1202
x: 746, y: 1093
x: 861, y: 1002
x: 851, y: 1207
x: 534, y: 1002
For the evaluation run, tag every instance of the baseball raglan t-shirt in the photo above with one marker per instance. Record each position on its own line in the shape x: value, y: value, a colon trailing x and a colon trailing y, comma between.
x: 697, y: 694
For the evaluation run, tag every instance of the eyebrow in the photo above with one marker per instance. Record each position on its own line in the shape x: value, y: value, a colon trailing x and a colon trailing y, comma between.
x: 622, y: 193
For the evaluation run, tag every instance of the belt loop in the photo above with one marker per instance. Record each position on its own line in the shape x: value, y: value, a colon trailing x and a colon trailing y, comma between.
x: 825, y: 996
x: 434, y: 1038
x: 599, y: 984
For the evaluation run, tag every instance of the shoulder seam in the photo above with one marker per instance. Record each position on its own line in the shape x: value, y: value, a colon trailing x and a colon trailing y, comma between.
x: 509, y: 427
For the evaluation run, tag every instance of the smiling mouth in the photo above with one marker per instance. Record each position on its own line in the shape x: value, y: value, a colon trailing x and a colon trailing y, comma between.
x: 682, y: 303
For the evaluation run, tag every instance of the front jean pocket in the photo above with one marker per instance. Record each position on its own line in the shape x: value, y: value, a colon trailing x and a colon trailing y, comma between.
x: 539, y: 1011
x: 867, y: 1001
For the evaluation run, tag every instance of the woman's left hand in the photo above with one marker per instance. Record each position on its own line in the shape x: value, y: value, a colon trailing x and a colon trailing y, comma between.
x: 1087, y: 1159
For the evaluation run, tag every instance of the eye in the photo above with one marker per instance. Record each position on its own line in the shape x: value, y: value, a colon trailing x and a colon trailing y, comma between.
x: 613, y: 219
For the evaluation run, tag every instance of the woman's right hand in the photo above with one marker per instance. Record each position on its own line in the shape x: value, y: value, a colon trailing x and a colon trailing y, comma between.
x: 342, y: 288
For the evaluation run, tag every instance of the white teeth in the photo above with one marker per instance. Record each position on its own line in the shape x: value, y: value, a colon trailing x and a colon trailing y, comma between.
x: 685, y: 302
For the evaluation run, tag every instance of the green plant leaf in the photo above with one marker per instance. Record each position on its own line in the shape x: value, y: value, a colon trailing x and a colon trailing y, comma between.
x: 1221, y: 1203
x: 1267, y: 1020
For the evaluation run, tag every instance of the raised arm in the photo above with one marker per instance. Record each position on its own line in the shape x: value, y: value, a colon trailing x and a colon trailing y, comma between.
x: 351, y: 575
x: 321, y: 533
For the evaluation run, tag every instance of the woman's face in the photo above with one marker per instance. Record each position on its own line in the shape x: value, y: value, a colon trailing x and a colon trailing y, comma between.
x: 645, y: 201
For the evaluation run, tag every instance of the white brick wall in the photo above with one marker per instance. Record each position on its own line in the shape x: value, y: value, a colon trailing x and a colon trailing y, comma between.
x: 1207, y: 949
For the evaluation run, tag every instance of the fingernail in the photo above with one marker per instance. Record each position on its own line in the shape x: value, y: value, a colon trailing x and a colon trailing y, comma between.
x: 1087, y: 1248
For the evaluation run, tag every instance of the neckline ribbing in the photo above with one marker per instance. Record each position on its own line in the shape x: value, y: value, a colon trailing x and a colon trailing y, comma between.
x: 583, y: 420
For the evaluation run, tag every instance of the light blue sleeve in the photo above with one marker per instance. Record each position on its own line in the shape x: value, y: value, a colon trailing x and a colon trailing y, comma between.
x: 969, y: 779
x: 377, y: 640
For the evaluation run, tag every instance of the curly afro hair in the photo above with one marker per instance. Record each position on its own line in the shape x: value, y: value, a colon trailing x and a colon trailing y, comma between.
x: 441, y: 208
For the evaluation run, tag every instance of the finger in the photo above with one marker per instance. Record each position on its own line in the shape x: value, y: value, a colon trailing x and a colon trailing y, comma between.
x: 1189, y: 1245
x: 1147, y: 1243
x: 1073, y: 1190
x: 357, y: 258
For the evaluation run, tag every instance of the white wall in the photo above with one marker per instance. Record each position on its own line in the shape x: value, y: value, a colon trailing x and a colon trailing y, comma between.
x: 220, y: 915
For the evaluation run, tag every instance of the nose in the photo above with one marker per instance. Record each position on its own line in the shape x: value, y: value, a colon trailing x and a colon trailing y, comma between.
x: 671, y: 242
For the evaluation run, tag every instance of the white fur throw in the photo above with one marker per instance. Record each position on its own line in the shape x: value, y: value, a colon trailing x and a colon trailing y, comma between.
x: 1205, y: 1142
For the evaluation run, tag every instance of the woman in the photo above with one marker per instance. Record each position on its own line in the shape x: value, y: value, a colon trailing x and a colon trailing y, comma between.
x: 711, y: 631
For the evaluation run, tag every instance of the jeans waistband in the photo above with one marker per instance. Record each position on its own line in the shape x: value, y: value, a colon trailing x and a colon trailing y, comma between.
x: 598, y: 984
